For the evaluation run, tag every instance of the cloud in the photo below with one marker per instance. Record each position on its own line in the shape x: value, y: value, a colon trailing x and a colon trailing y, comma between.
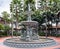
x: 5, y: 6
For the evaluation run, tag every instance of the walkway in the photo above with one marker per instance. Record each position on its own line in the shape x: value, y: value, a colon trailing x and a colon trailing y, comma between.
x: 53, y: 47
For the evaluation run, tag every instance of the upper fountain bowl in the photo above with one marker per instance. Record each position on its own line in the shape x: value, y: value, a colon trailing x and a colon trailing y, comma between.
x: 29, y: 23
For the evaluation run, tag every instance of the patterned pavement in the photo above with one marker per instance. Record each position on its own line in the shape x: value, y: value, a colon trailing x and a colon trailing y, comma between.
x: 57, y: 39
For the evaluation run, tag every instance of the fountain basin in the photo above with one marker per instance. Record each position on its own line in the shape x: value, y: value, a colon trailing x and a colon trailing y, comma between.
x: 31, y: 23
x: 17, y: 43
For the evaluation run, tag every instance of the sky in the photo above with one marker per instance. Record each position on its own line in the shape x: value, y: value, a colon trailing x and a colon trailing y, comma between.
x: 5, y: 6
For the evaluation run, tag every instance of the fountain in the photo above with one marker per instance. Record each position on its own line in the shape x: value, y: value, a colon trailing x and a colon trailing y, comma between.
x: 29, y: 38
x: 30, y: 35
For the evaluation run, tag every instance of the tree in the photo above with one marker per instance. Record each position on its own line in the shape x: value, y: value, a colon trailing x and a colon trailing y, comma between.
x: 53, y: 7
x: 16, y: 9
x: 49, y: 18
x: 57, y: 20
x: 50, y: 5
x: 5, y: 16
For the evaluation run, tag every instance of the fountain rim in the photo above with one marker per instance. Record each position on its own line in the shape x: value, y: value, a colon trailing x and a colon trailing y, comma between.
x: 29, y: 22
x: 50, y: 42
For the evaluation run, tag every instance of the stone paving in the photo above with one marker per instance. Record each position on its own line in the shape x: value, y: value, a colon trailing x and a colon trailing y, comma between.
x: 57, y: 39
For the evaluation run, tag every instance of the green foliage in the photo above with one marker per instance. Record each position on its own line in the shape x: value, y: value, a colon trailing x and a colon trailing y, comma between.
x: 16, y: 1
x: 16, y: 9
x: 41, y: 34
x: 4, y: 30
x: 29, y: 1
x: 7, y: 28
x: 5, y: 15
x: 1, y: 27
x: 55, y: 35
x: 16, y: 33
x: 58, y: 35
x: 2, y: 33
x: 37, y: 17
x: 50, y: 5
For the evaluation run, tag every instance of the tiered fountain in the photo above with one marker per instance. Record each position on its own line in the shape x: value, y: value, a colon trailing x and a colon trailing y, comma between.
x: 30, y: 33
x: 30, y: 38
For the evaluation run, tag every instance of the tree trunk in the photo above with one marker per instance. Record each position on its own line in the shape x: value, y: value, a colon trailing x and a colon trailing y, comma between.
x: 46, y: 27
x: 16, y: 20
x: 5, y: 28
x: 12, y: 28
x: 56, y: 29
x: 46, y: 31
x: 16, y: 28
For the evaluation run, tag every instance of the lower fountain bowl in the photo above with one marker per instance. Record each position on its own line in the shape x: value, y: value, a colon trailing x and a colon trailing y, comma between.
x: 17, y: 43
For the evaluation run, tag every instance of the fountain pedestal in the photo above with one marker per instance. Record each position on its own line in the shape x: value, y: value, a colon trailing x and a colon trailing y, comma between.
x: 31, y: 30
x: 29, y: 34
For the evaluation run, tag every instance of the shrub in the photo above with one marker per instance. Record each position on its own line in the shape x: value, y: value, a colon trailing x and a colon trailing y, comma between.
x: 1, y: 27
x: 41, y: 34
x: 1, y: 30
x: 16, y: 33
x: 57, y: 35
x: 6, y: 30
